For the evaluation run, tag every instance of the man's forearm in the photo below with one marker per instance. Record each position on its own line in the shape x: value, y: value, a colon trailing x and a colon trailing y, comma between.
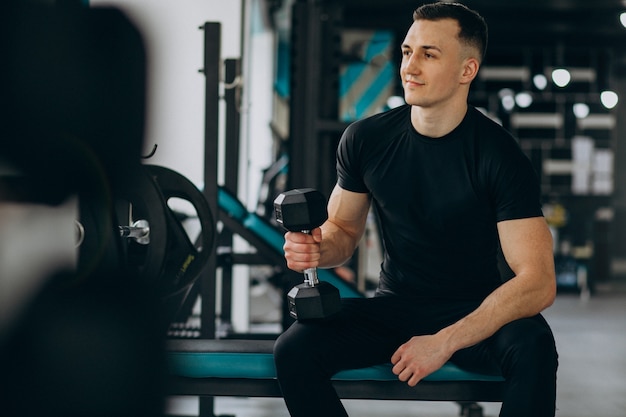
x: 513, y: 300
x: 527, y: 247
x: 337, y: 246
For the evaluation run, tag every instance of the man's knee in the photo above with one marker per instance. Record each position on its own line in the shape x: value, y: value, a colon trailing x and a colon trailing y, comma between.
x: 531, y: 347
x: 285, y: 353
x: 293, y: 350
x: 529, y: 363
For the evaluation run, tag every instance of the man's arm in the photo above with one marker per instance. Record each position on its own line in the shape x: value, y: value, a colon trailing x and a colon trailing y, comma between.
x: 527, y: 247
x: 334, y: 242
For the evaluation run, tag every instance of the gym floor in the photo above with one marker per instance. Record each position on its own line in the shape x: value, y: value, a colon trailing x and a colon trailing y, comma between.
x: 591, y: 339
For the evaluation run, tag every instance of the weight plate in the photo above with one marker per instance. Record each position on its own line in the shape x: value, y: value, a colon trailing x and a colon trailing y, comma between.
x: 141, y: 199
x: 185, y: 260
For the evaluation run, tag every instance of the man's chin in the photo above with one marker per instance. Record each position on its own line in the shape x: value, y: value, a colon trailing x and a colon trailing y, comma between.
x: 413, y: 101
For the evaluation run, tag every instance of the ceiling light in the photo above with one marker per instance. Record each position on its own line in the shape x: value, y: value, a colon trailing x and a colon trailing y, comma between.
x: 508, y: 102
x: 581, y: 110
x: 507, y: 98
x: 622, y: 18
x: 523, y: 99
x: 561, y: 77
x: 505, y: 92
x: 540, y: 81
x: 609, y: 99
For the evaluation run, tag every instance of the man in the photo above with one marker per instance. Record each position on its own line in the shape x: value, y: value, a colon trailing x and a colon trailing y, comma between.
x: 450, y: 188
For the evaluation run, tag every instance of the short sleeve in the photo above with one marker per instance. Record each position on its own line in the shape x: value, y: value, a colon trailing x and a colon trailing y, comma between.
x: 349, y: 175
x: 516, y: 189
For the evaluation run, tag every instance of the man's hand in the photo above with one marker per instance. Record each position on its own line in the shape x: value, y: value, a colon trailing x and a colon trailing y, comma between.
x: 302, y: 250
x: 419, y: 357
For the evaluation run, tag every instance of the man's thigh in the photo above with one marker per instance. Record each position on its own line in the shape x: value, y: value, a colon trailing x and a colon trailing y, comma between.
x: 368, y: 331
x: 358, y: 336
x: 489, y: 356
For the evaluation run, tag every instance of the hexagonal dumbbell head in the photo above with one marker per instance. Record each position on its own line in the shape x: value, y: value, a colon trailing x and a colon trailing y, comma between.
x: 313, y: 303
x: 300, y: 209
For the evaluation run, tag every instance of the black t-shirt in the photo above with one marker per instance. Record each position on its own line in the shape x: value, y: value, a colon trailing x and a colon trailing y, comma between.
x: 438, y: 200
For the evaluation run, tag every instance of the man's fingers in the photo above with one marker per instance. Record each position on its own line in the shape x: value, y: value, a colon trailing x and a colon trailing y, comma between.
x: 404, y: 375
x: 407, y: 375
x: 317, y: 234
x: 414, y: 380
x: 301, y: 251
x: 397, y: 368
x: 395, y: 358
x: 397, y: 355
x: 410, y: 375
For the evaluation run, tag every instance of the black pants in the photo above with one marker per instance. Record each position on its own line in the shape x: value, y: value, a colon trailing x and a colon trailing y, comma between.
x: 369, y: 330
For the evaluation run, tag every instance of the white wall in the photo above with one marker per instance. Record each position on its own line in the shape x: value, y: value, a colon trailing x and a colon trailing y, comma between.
x: 258, y: 71
x: 175, y: 47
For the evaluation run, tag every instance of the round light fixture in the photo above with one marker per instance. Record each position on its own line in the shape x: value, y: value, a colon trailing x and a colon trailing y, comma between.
x: 523, y: 99
x: 609, y: 99
x: 581, y: 110
x: 507, y: 98
x: 540, y: 81
x: 561, y: 77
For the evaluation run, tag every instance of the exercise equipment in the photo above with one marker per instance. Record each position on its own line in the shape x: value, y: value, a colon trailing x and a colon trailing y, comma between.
x: 267, y: 238
x: 72, y: 128
x: 153, y: 243
x: 165, y: 258
x: 245, y: 368
x: 139, y: 231
x: 302, y: 210
x: 184, y: 259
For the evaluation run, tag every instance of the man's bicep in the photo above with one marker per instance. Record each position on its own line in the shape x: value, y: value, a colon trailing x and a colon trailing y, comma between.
x: 527, y: 244
x: 348, y: 210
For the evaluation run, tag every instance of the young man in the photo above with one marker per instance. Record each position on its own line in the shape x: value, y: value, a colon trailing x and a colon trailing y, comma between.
x: 449, y: 186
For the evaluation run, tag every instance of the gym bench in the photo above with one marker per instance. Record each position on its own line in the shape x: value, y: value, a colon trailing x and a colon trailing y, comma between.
x: 245, y: 368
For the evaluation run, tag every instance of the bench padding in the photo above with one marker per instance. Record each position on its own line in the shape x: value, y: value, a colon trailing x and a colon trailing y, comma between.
x: 246, y: 368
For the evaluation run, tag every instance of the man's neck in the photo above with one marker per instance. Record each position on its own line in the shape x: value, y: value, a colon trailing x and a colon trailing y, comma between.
x: 437, y: 122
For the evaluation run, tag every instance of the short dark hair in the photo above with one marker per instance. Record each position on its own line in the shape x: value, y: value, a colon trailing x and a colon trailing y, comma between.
x: 473, y: 26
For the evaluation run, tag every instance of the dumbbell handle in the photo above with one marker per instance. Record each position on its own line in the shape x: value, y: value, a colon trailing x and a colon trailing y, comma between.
x: 310, y: 277
x: 310, y: 274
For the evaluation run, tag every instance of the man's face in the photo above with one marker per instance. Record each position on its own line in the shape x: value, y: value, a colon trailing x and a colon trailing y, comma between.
x: 433, y: 62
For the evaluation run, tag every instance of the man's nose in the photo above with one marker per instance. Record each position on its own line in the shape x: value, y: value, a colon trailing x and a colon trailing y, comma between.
x: 411, y: 65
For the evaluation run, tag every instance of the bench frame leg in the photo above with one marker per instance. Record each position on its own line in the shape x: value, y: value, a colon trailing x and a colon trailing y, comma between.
x: 206, y: 408
x: 470, y: 409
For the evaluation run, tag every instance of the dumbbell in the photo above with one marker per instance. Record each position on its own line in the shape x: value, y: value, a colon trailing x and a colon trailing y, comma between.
x: 302, y: 210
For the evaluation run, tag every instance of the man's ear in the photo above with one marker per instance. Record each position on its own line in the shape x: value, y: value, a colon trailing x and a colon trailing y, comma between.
x: 470, y: 70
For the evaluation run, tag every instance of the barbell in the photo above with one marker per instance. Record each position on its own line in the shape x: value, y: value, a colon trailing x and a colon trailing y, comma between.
x: 138, y: 228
